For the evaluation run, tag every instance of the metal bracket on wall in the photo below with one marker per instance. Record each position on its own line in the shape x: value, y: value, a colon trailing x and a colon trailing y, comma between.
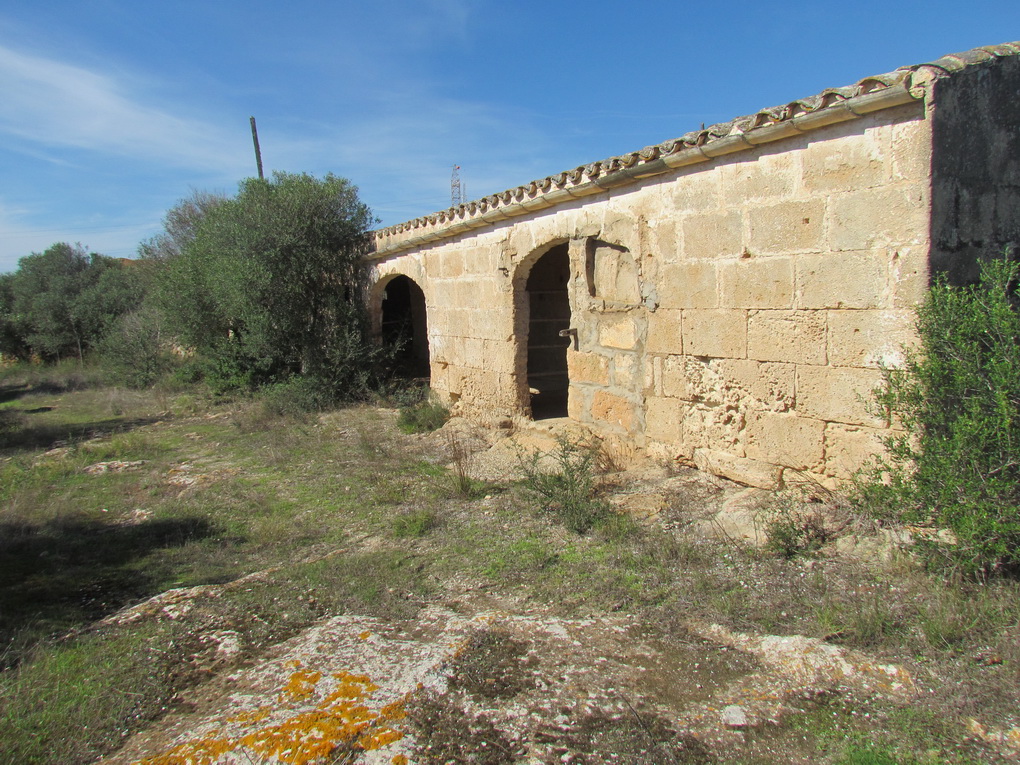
x: 572, y: 333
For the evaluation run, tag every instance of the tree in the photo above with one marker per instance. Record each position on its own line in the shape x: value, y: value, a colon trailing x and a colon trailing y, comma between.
x: 179, y: 226
x: 63, y: 300
x: 269, y: 286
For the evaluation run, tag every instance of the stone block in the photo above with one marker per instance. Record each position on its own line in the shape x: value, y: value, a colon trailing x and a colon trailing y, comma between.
x: 663, y: 419
x: 688, y: 285
x: 839, y: 394
x: 662, y: 240
x: 750, y: 472
x: 451, y: 264
x: 870, y: 338
x: 694, y: 192
x: 712, y: 235
x: 617, y: 331
x: 759, y: 386
x: 590, y: 368
x: 719, y: 333
x: 577, y: 405
x: 621, y: 229
x: 849, y: 280
x: 786, y: 228
x: 794, y: 336
x: 769, y: 176
x: 909, y: 277
x: 626, y: 372
x: 500, y: 356
x: 911, y: 150
x: 844, y: 163
x: 848, y: 448
x: 613, y: 410
x: 494, y: 324
x: 785, y: 439
x: 886, y: 217
x: 474, y: 353
x: 757, y: 283
x: 664, y: 332
x: 683, y: 378
x: 615, y: 275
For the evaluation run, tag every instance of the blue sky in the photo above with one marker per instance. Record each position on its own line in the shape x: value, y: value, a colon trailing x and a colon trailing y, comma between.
x: 110, y: 111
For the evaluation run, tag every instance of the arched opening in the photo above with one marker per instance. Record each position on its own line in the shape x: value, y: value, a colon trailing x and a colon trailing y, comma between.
x: 548, y: 315
x: 405, y: 328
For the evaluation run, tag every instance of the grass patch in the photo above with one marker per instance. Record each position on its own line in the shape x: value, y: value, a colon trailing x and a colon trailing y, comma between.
x: 422, y: 417
x: 415, y: 523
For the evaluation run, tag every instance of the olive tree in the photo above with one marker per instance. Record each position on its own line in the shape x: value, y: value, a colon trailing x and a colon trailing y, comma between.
x: 269, y: 287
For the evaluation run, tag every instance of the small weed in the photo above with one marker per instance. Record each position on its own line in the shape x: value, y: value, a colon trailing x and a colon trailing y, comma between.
x: 790, y: 532
x: 463, y: 483
x: 416, y: 523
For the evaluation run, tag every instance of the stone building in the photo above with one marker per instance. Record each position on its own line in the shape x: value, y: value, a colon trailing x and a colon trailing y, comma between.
x: 728, y: 298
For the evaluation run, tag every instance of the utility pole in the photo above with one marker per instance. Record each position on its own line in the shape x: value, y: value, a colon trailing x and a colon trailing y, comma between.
x: 258, y: 152
x: 456, y: 195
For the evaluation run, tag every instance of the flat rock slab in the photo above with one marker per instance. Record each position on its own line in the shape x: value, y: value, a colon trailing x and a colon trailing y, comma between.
x: 460, y: 682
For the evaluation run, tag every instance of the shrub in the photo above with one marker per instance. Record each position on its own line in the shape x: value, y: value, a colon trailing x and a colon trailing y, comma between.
x: 569, y: 490
x: 958, y: 464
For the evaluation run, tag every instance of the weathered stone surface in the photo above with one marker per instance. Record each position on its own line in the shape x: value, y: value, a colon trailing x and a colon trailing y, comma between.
x: 663, y: 419
x: 689, y: 285
x: 664, y: 332
x: 613, y: 410
x: 720, y: 333
x: 757, y: 283
x: 849, y: 448
x: 838, y: 394
x: 879, y: 218
x: 588, y: 367
x: 618, y: 332
x: 796, y: 442
x: 869, y: 338
x: 711, y: 235
x: 762, y: 475
x: 794, y: 336
x: 787, y: 227
x: 850, y: 280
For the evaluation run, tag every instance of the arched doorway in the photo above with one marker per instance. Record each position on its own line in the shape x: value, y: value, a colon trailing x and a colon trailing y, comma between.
x: 548, y: 303
x: 405, y: 328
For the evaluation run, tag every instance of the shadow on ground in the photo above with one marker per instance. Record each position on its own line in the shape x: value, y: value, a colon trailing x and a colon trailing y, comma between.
x: 18, y: 434
x: 58, y: 576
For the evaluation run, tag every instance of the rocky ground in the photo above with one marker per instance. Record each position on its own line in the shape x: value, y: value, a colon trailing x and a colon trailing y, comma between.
x: 485, y: 674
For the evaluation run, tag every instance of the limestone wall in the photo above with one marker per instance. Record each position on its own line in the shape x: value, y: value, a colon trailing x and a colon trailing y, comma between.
x: 733, y: 314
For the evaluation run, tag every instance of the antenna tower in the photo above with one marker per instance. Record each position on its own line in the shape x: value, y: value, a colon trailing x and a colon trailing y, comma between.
x: 456, y: 192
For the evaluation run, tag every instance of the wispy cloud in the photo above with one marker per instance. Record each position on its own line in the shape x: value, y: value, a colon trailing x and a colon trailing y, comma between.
x: 49, y: 104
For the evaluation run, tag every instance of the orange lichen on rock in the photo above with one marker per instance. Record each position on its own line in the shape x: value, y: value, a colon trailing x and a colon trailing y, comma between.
x: 204, y: 751
x: 251, y: 716
x: 301, y: 685
x: 341, y: 718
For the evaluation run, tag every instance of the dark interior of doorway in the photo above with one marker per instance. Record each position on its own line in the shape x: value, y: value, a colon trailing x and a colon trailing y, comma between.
x: 548, y: 315
x: 405, y: 328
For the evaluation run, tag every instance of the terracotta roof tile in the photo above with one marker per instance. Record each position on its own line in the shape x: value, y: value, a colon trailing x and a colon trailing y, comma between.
x: 699, y: 143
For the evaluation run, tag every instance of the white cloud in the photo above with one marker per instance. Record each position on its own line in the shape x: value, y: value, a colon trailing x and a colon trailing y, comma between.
x: 52, y: 104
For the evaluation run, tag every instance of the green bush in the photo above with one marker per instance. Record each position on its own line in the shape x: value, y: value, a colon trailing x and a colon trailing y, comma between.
x: 569, y: 490
x: 958, y: 398
x: 135, y: 351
